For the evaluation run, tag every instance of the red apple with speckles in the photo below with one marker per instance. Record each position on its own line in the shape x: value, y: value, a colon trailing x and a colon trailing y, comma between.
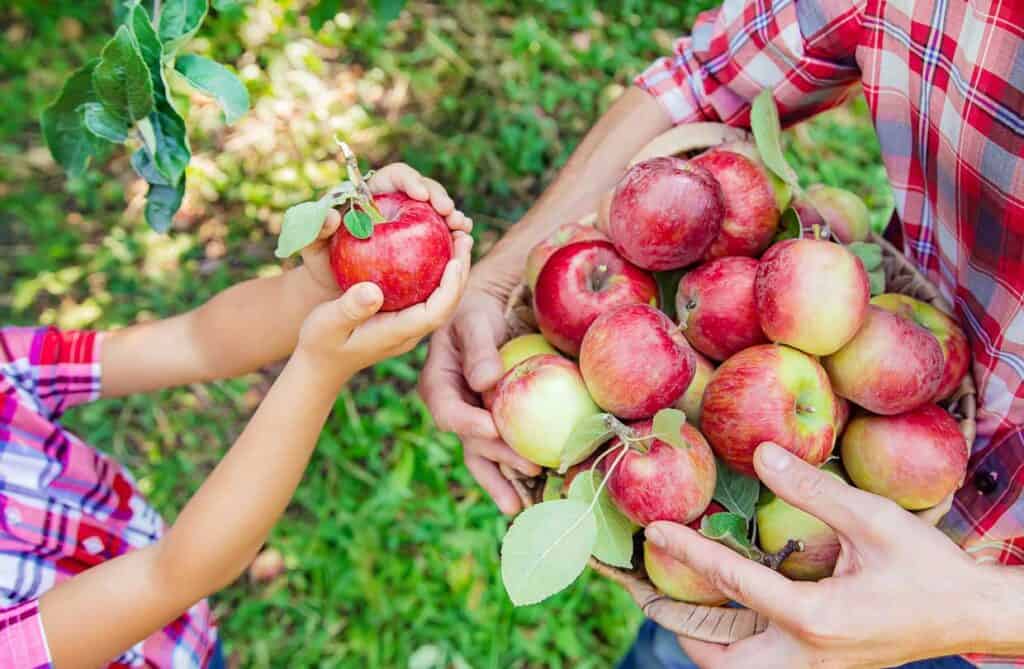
x: 675, y: 578
x: 665, y: 213
x: 955, y: 350
x: 915, y: 458
x: 661, y: 481
x: 890, y: 366
x: 811, y: 294
x: 716, y: 307
x: 751, y: 209
x: 635, y: 361
x: 581, y: 281
x: 769, y: 393
x: 405, y: 256
x: 564, y: 235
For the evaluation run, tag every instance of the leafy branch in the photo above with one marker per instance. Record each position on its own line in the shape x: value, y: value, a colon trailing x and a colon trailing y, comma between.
x: 122, y: 97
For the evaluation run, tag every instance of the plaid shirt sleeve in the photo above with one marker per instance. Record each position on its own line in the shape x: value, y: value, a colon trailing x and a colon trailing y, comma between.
x: 803, y: 52
x: 22, y: 640
x: 52, y: 369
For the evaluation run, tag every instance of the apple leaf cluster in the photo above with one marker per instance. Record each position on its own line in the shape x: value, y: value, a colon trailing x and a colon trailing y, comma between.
x: 122, y: 97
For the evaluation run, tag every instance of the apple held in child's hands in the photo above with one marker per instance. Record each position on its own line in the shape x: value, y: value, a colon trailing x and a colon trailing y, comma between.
x: 769, y: 393
x: 664, y: 213
x: 566, y: 234
x: 677, y: 580
x: 655, y: 480
x: 536, y: 405
x: 915, y: 458
x: 635, y: 361
x: 581, y: 281
x: 716, y: 307
x: 405, y: 255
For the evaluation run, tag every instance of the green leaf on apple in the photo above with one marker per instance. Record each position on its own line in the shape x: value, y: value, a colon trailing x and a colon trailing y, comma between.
x: 736, y: 492
x: 614, y: 543
x: 871, y: 257
x: 729, y: 529
x: 301, y: 226
x: 767, y: 129
x: 359, y: 223
x: 546, y: 549
x: 586, y: 437
x: 553, y: 486
x: 789, y: 226
x: 668, y: 426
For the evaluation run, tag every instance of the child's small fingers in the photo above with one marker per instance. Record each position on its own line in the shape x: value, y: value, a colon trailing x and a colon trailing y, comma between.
x: 331, y: 224
x: 438, y: 309
x: 357, y: 304
x: 439, y: 197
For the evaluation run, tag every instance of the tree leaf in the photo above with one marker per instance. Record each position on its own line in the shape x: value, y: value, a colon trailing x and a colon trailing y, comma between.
x: 668, y: 425
x: 553, y: 486
x: 586, y: 437
x: 103, y: 124
x: 226, y: 5
x: 358, y: 223
x: 876, y: 281
x: 122, y: 80
x: 668, y: 286
x: 546, y: 549
x: 387, y: 11
x: 149, y: 46
x: 729, y: 529
x: 322, y: 12
x: 736, y: 492
x: 614, y: 542
x: 870, y: 254
x: 301, y: 226
x: 789, y: 226
x: 216, y: 80
x: 162, y: 203
x: 764, y: 122
x: 179, y: 21
x: 142, y: 163
x: 63, y: 126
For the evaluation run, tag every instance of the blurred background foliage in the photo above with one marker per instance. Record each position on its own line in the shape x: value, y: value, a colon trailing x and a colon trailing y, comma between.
x: 391, y: 549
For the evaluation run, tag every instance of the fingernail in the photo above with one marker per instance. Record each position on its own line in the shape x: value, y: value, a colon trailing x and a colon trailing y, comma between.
x: 656, y: 536
x: 773, y: 456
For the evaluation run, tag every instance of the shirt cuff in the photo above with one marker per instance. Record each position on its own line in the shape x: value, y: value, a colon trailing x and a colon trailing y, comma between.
x: 22, y: 639
x: 675, y: 85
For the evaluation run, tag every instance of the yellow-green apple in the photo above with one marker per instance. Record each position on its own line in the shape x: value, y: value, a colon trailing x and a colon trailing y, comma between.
x: 716, y: 307
x: 514, y: 351
x: 955, y: 350
x: 563, y: 235
x: 811, y: 294
x: 769, y: 393
x: 665, y: 212
x: 846, y: 215
x: 635, y: 361
x: 536, y: 405
x: 751, y: 209
x: 654, y: 480
x: 581, y: 281
x: 915, y: 458
x: 691, y: 401
x: 677, y: 580
x: 405, y: 256
x: 890, y: 366
x: 778, y: 521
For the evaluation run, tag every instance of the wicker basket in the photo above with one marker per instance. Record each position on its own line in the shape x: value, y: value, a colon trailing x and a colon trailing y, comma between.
x: 725, y: 624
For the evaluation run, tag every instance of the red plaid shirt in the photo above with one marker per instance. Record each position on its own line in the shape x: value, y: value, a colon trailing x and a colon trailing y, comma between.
x: 945, y: 84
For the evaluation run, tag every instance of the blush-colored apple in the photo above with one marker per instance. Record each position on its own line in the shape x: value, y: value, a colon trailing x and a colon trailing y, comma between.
x: 513, y: 352
x: 675, y: 578
x: 716, y: 307
x: 846, y: 215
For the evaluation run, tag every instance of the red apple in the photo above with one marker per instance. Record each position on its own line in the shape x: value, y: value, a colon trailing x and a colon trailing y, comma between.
x: 751, y: 210
x: 537, y: 404
x: 716, y: 307
x: 635, y: 361
x: 405, y: 256
x: 843, y: 409
x: 581, y: 281
x: 562, y: 236
x: 955, y: 350
x: 657, y: 481
x: 691, y: 401
x: 846, y: 215
x: 915, y: 458
x: 811, y: 294
x: 769, y: 393
x: 890, y: 366
x: 665, y: 212
x: 782, y: 191
x: 677, y: 580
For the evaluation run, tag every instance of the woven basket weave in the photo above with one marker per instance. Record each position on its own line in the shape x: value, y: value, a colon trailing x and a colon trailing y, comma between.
x: 713, y: 623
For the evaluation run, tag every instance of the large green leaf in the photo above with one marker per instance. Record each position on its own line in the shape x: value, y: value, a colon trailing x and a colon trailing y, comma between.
x: 179, y: 21
x: 301, y: 226
x: 546, y: 549
x: 162, y: 203
x: 736, y: 492
x: 668, y: 427
x: 586, y: 437
x: 764, y: 122
x: 216, y: 80
x: 121, y: 79
x: 103, y: 124
x: 614, y: 542
x: 63, y: 125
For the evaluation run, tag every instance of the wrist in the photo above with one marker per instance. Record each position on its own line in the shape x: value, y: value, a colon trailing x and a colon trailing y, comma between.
x: 322, y: 376
x: 998, y: 610
x: 315, y: 288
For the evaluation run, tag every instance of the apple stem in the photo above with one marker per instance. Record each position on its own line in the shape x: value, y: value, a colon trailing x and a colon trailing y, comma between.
x: 364, y: 198
x: 775, y: 560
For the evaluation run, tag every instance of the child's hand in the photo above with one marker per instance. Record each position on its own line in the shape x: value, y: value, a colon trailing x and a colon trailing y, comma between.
x: 396, y: 177
x: 347, y: 334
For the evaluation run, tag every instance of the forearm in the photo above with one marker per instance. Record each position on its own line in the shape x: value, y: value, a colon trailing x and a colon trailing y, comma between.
x: 998, y: 608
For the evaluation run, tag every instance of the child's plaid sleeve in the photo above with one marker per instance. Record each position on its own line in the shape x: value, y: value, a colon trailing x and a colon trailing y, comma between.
x: 51, y: 369
x: 22, y: 640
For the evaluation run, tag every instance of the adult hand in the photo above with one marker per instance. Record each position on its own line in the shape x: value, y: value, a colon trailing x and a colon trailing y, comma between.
x: 901, y: 591
x: 464, y: 362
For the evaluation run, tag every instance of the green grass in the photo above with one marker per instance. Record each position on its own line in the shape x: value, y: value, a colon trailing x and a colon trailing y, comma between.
x: 392, y: 549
